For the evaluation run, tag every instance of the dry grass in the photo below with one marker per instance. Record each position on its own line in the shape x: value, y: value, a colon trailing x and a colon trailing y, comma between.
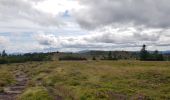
x: 102, y: 80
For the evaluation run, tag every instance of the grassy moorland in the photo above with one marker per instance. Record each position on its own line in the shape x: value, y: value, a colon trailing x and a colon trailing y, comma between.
x: 91, y: 80
x: 6, y: 77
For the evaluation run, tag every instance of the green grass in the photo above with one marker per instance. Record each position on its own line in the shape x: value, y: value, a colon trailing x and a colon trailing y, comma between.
x: 100, y: 80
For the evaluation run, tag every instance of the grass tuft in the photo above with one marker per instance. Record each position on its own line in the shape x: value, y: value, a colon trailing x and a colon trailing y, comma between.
x: 35, y: 93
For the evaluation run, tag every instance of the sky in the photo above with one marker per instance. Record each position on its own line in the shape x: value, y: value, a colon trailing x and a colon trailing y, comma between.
x: 75, y: 25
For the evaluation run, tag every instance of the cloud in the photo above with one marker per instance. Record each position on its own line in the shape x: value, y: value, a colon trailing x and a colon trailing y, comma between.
x: 21, y: 14
x: 123, y: 35
x: 105, y: 25
x: 57, y: 6
x: 143, y: 13
x: 37, y: 1
x: 46, y: 39
x: 50, y: 40
x: 105, y: 39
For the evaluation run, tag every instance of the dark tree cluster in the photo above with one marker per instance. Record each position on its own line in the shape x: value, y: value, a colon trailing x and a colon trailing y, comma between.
x: 147, y: 56
x: 72, y: 58
x: 20, y: 58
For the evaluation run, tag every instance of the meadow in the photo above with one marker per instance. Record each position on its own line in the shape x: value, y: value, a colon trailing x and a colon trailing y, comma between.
x: 91, y: 80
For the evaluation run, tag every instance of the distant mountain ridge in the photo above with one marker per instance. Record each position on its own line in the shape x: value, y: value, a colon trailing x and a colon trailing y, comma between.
x: 165, y: 52
x: 87, y: 51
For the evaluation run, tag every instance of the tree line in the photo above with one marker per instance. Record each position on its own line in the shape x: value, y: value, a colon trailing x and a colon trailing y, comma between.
x: 143, y: 55
x: 20, y: 58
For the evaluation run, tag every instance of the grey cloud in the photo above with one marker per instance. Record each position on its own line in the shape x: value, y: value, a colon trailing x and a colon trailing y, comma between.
x: 105, y: 38
x: 163, y: 45
x: 146, y: 36
x: 146, y: 13
x: 46, y: 40
x: 110, y: 38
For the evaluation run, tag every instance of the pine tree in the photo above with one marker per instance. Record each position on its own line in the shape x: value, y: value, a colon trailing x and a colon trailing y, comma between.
x: 3, y: 53
x: 144, y: 53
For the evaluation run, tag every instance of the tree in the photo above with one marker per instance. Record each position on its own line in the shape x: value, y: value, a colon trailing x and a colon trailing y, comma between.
x: 3, y: 53
x: 144, y: 53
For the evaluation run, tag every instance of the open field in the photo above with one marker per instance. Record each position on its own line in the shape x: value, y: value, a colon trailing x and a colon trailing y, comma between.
x: 90, y: 80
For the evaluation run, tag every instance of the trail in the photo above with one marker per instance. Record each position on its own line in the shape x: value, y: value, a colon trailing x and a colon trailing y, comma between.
x: 11, y: 92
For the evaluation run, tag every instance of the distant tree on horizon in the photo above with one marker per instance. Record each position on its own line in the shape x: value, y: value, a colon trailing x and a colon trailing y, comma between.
x: 4, y: 53
x: 144, y: 53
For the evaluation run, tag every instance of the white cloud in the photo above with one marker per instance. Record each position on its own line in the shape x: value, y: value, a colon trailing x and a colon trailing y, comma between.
x: 101, y: 39
x: 57, y: 6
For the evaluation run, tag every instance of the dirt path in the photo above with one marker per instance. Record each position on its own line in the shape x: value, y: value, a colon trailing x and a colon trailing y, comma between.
x: 11, y: 92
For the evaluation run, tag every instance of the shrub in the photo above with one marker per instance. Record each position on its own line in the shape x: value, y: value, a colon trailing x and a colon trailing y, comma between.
x: 94, y: 58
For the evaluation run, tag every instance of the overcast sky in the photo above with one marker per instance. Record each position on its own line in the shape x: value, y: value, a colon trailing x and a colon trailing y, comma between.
x: 74, y: 25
